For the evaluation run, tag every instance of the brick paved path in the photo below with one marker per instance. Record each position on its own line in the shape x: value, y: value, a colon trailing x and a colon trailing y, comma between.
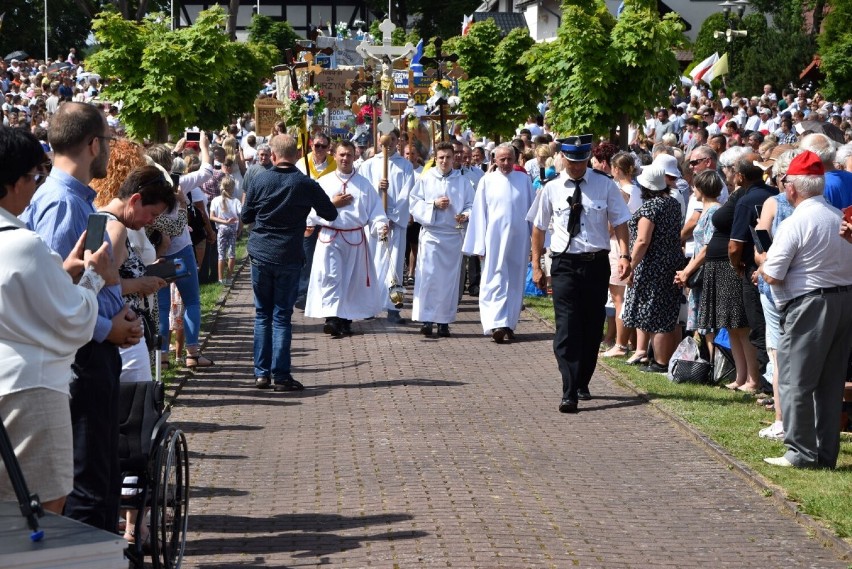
x: 410, y: 452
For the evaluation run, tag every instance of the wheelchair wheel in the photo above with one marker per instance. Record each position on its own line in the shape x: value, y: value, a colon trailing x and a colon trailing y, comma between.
x: 170, y: 500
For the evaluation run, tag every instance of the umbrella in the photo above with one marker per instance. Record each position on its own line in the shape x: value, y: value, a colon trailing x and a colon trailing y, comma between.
x: 59, y: 66
x: 826, y: 128
x: 19, y: 55
x: 87, y: 75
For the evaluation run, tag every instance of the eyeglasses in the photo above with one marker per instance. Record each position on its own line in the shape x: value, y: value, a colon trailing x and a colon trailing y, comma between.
x: 38, y: 178
x: 321, y: 146
x: 696, y: 161
x: 784, y: 180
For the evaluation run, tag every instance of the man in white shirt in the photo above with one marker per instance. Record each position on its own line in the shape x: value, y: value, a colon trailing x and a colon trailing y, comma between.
x: 440, y: 201
x: 343, y: 286
x: 581, y: 204
x: 809, y: 269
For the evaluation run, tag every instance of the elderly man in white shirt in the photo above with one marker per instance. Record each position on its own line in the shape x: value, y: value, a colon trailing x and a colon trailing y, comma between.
x: 809, y: 269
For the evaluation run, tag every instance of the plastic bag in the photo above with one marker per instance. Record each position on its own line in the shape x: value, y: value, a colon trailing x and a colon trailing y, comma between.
x: 686, y: 364
x: 529, y: 288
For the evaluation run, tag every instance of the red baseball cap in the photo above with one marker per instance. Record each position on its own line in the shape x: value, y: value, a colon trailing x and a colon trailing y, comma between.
x: 806, y: 164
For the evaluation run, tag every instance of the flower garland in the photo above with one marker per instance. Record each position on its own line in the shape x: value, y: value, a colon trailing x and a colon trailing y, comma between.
x: 301, y: 104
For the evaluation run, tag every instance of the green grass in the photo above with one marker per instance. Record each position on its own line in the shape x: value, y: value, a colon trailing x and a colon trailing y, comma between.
x: 732, y: 421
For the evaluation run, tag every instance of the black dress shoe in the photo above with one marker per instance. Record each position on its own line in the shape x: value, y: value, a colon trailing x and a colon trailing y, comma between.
x: 332, y: 327
x: 583, y: 395
x: 654, y: 367
x: 473, y: 291
x: 288, y: 385
x: 346, y: 327
x: 568, y: 406
x: 426, y: 328
x: 510, y: 333
x: 444, y: 330
x: 498, y: 335
x: 262, y: 382
x: 395, y: 318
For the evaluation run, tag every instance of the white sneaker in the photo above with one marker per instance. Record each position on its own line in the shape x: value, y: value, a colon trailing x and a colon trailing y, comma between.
x: 779, y: 461
x: 775, y: 431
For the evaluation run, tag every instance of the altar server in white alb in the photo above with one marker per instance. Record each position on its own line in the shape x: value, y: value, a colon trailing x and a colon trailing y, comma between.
x: 398, y: 184
x: 499, y: 232
x: 343, y: 285
x: 441, y: 202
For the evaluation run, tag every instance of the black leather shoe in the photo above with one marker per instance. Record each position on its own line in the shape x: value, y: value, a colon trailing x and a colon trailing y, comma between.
x: 395, y: 318
x: 426, y: 328
x: 568, y: 406
x: 262, y: 382
x: 473, y: 291
x: 288, y: 385
x: 654, y: 367
x: 443, y: 330
x: 332, y: 327
x: 498, y: 335
x: 510, y: 333
x: 346, y: 327
x: 583, y: 395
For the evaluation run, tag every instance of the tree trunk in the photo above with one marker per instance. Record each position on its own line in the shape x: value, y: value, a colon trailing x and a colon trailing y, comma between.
x: 819, y: 14
x: 623, y: 125
x: 234, y: 7
x: 161, y: 130
x: 142, y: 10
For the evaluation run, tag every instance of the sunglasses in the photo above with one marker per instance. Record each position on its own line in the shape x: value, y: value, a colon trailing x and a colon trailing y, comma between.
x: 321, y: 146
x: 696, y: 161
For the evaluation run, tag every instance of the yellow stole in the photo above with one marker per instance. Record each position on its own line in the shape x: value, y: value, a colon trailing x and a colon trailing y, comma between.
x: 330, y: 167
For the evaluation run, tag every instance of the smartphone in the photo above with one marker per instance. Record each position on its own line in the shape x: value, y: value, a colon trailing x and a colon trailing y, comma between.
x: 847, y: 214
x: 95, y: 229
x: 762, y: 240
x: 169, y: 270
x: 193, y: 136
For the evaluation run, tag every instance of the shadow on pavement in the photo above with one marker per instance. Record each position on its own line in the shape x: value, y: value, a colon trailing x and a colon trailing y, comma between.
x: 618, y: 403
x: 306, y: 535
x: 198, y: 427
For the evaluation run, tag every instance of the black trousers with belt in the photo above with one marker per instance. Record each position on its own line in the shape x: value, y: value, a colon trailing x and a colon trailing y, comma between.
x: 580, y: 285
x: 94, y: 422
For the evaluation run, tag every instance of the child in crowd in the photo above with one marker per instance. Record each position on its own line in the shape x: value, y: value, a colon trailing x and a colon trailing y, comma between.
x: 225, y: 212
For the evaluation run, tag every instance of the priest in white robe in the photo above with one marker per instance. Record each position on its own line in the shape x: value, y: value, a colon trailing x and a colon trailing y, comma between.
x: 389, y: 256
x: 343, y: 285
x: 499, y: 232
x: 441, y: 202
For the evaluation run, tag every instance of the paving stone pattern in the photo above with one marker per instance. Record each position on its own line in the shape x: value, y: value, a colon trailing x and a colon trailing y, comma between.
x: 406, y: 452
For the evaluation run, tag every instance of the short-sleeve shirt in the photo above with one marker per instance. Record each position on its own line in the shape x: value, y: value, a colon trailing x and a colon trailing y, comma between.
x: 746, y: 214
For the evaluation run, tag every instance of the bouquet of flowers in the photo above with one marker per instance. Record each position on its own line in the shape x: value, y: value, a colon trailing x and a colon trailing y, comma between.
x: 442, y: 89
x: 300, y: 104
x: 342, y: 29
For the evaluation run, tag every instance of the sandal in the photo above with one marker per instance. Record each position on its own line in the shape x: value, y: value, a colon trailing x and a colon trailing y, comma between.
x: 616, y: 351
x: 193, y: 362
x: 639, y: 358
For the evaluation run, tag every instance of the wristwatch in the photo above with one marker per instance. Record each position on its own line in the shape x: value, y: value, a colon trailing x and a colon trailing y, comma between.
x: 628, y: 257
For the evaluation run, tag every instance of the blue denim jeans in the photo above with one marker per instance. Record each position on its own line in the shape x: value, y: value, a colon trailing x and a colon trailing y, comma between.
x: 189, y: 294
x: 275, y: 288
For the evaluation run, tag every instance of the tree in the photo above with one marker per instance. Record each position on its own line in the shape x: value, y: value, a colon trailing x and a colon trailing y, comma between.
x: 601, y: 72
x: 265, y: 30
x: 23, y: 27
x: 835, y: 49
x: 170, y: 80
x: 497, y: 95
x: 431, y: 17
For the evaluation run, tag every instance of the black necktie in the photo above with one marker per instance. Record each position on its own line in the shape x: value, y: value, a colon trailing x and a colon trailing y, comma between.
x: 576, y: 204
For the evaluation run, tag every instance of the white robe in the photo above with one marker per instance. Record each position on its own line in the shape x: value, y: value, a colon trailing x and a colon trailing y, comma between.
x: 389, y: 257
x: 499, y: 231
x: 343, y: 279
x: 439, y: 256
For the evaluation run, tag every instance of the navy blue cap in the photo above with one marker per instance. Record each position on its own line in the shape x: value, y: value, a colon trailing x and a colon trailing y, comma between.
x: 576, y: 148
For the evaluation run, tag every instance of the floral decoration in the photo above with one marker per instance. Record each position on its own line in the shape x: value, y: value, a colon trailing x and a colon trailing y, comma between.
x: 342, y: 29
x: 300, y: 104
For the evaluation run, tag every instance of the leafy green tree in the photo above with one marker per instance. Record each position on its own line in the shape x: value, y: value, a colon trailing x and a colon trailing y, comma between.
x: 601, y: 72
x: 835, y: 49
x: 265, y: 30
x: 430, y: 18
x: 497, y: 95
x: 169, y: 80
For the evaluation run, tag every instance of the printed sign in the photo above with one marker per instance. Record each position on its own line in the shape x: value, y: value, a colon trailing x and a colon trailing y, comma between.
x: 333, y: 83
x: 265, y: 115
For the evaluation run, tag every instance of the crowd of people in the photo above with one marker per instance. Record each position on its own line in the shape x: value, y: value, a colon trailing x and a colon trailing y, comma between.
x: 659, y: 241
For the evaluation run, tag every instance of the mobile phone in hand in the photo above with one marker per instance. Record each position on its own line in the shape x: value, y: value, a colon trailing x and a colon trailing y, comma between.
x: 193, y: 136
x: 95, y: 229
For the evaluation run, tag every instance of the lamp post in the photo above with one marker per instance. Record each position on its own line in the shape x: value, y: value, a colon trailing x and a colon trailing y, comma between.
x: 728, y: 8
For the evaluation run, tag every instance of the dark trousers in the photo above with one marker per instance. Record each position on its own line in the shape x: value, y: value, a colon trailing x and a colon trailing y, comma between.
x: 309, y: 245
x: 756, y: 321
x: 94, y: 422
x: 474, y: 272
x: 579, y: 297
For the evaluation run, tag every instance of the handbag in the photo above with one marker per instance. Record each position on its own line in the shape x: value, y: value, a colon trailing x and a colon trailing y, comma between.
x: 152, y: 335
x: 696, y: 279
x: 686, y: 371
x: 198, y: 229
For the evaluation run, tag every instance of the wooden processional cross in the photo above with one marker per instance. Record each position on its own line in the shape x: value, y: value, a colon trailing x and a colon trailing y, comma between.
x: 438, y: 63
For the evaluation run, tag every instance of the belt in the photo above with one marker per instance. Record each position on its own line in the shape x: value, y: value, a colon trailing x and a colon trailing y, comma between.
x: 604, y: 254
x: 820, y: 292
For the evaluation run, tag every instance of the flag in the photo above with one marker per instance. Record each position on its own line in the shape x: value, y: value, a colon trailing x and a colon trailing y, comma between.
x: 467, y: 22
x: 719, y: 68
x: 699, y: 70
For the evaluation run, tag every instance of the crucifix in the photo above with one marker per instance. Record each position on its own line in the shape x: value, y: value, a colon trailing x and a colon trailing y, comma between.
x: 386, y: 54
x: 438, y: 63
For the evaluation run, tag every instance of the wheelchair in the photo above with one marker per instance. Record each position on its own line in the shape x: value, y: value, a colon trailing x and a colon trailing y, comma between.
x: 155, y: 466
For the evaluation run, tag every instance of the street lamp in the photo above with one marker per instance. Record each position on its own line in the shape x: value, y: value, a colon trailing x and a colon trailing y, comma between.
x: 727, y: 7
